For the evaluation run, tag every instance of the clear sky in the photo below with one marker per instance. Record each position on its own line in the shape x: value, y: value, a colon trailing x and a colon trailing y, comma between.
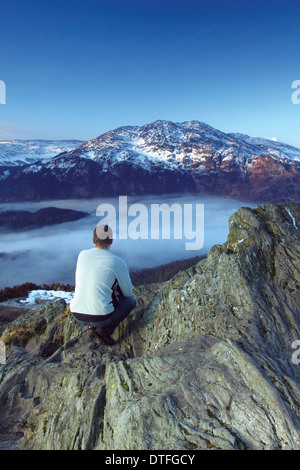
x: 79, y: 68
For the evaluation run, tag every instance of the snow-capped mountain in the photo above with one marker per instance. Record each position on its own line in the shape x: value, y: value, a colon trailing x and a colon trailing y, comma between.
x: 172, y: 144
x: 163, y: 157
x: 24, y: 152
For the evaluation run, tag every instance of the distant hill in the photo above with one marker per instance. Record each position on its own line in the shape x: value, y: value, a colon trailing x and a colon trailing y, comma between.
x: 26, y: 220
x: 24, y: 152
x: 162, y: 273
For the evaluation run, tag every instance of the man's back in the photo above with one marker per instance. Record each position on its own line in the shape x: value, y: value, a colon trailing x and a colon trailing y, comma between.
x: 96, y: 272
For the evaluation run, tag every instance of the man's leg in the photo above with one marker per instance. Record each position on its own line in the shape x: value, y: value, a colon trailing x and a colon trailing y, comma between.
x: 126, y: 305
x: 106, y: 328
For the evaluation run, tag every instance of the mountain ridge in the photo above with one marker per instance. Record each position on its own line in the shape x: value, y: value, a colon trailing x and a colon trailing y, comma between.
x: 160, y: 158
x: 18, y: 152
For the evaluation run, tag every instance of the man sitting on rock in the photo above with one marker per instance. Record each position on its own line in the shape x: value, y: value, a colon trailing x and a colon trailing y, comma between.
x: 103, y: 288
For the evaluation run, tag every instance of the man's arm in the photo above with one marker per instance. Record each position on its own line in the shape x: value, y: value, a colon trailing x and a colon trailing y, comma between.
x: 123, y: 277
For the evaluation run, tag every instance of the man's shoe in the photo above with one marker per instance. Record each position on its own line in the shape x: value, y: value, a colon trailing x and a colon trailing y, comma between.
x: 104, y: 337
x: 91, y: 331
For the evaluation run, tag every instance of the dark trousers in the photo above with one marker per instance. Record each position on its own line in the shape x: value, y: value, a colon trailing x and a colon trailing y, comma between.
x: 122, y: 310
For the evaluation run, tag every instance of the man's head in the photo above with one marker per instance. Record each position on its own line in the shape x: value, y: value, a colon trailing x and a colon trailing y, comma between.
x: 103, y: 236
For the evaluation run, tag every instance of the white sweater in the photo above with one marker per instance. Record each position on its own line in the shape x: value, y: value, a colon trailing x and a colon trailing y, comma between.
x: 96, y: 272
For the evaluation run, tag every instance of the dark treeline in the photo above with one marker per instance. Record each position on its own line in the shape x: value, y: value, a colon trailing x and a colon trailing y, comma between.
x: 25, y: 220
x: 162, y: 273
x: 23, y: 290
x: 143, y: 277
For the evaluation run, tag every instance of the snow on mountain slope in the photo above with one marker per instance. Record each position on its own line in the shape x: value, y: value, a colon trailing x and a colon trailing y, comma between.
x: 179, y: 145
x: 22, y: 152
x: 270, y: 146
x: 163, y: 157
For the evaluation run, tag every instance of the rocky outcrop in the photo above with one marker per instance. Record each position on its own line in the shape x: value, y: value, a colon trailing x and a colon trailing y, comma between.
x: 206, y: 360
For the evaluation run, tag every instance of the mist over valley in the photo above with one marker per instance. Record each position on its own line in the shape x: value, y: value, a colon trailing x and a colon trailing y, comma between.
x: 49, y: 254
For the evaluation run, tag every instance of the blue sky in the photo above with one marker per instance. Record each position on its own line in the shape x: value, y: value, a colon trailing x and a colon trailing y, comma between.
x: 76, y: 69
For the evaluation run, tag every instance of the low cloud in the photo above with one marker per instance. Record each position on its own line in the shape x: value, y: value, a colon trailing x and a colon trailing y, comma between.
x: 49, y: 254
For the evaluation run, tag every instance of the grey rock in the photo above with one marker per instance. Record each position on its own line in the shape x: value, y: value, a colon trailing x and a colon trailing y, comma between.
x: 203, y: 362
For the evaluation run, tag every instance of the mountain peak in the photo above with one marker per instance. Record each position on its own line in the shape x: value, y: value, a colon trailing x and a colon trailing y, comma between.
x: 163, y: 157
